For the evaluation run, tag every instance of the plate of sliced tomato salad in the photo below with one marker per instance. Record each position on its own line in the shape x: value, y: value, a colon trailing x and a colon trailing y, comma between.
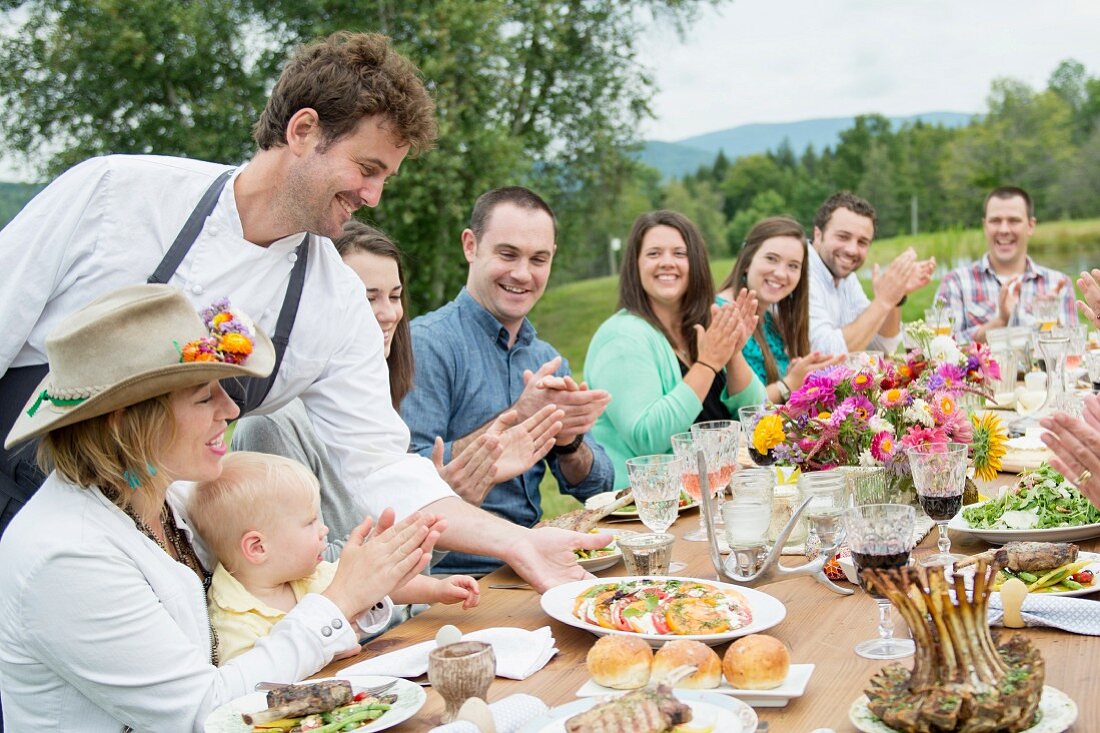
x: 660, y: 608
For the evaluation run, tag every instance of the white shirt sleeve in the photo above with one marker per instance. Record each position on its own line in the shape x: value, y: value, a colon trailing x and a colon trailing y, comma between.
x: 350, y: 408
x: 39, y: 247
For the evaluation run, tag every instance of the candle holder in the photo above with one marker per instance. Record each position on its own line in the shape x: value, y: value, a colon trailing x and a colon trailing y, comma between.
x: 767, y: 569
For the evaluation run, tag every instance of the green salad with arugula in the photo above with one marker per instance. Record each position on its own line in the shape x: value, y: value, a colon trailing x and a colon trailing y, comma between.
x: 1041, y: 499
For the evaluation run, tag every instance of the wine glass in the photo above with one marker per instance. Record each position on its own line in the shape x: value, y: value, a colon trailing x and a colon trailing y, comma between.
x: 655, y: 482
x: 939, y: 475
x: 749, y: 416
x: 725, y: 435
x: 881, y: 536
x: 686, y: 446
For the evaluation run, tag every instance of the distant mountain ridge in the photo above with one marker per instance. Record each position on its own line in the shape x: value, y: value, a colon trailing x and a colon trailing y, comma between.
x: 679, y: 157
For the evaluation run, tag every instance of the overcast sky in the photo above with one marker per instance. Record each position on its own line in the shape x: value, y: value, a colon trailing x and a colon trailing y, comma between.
x: 785, y: 60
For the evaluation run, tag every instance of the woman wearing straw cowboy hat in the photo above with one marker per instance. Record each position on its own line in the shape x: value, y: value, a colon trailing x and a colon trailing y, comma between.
x: 103, y: 620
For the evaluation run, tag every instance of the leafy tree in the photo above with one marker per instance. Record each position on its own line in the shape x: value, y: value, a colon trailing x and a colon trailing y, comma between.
x: 764, y: 204
x: 543, y: 93
x: 879, y: 185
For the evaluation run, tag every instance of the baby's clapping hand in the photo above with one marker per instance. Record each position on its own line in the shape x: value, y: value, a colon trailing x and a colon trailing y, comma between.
x: 458, y: 588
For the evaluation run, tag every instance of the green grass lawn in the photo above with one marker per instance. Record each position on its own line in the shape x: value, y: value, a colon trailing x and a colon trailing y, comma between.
x: 568, y: 315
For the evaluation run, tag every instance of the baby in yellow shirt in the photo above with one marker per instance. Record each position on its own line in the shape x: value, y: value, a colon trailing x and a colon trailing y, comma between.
x: 262, y: 518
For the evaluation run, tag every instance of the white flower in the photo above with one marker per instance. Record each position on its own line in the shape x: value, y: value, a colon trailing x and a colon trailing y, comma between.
x: 866, y: 459
x: 920, y: 412
x: 944, y: 348
x: 878, y: 424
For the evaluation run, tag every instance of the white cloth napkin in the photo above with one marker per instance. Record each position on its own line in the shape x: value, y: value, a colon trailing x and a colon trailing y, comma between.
x: 1075, y: 615
x: 519, y: 652
x: 510, y: 714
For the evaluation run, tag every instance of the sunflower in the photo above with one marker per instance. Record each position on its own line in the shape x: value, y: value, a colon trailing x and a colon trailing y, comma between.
x: 988, y: 444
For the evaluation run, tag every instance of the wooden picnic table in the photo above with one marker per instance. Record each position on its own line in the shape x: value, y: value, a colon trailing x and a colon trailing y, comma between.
x: 821, y: 627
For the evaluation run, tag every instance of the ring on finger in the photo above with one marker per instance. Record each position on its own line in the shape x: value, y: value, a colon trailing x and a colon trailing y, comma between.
x: 1083, y: 477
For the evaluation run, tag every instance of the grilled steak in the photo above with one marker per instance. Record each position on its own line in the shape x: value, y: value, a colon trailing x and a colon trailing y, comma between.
x: 295, y: 701
x: 1029, y: 556
x: 649, y: 710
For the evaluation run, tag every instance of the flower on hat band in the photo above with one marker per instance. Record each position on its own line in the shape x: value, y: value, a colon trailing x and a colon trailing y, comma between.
x: 231, y: 336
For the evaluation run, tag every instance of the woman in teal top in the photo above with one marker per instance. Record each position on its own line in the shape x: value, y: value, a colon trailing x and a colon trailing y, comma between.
x: 773, y: 265
x: 670, y: 357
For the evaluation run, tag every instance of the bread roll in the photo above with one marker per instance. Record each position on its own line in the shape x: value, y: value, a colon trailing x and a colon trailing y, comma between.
x: 756, y: 662
x: 678, y: 652
x: 620, y: 662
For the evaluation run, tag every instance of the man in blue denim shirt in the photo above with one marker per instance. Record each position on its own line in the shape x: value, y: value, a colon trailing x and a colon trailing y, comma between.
x: 478, y: 356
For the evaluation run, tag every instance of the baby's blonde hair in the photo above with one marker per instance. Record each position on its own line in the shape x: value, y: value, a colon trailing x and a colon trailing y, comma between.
x: 249, y: 495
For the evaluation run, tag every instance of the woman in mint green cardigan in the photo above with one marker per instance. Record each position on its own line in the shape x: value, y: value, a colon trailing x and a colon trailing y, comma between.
x: 670, y: 357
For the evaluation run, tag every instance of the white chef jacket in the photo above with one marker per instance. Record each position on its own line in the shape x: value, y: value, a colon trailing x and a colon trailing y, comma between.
x: 106, y: 224
x: 101, y: 628
x: 833, y: 306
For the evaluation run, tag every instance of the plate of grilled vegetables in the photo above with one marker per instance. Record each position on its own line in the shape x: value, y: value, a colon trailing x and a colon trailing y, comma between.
x: 320, y: 706
x: 1052, y: 568
x: 657, y: 609
x: 654, y: 709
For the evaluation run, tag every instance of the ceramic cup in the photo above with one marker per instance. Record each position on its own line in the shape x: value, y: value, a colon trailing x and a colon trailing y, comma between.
x: 461, y: 671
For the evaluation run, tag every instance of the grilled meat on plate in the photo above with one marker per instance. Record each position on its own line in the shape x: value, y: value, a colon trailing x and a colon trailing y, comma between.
x: 1029, y: 556
x: 648, y: 710
x: 295, y: 701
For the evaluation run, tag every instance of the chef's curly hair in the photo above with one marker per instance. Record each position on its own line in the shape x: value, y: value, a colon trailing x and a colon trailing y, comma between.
x: 345, y: 78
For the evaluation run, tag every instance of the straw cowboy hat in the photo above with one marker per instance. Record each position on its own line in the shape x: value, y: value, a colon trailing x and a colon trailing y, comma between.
x: 134, y: 344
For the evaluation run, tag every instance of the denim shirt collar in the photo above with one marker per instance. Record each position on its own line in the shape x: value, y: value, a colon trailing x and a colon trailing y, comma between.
x: 494, y: 329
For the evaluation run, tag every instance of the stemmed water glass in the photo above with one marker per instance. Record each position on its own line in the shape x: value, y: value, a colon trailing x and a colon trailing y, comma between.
x: 881, y: 536
x: 749, y: 416
x: 655, y: 482
x: 828, y: 494
x: 720, y: 441
x: 939, y: 474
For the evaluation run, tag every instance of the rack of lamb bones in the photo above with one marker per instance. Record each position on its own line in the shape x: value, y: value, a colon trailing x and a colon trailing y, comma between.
x: 962, y: 678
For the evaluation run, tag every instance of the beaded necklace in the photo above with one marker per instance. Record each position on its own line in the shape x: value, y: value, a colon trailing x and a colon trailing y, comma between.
x: 185, y: 554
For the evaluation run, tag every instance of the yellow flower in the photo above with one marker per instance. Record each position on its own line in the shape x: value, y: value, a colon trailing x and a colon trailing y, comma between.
x: 768, y: 433
x: 824, y: 415
x: 220, y: 319
x: 947, y: 404
x: 989, y: 445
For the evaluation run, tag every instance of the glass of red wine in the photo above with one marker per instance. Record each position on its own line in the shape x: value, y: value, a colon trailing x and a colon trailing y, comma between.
x: 749, y: 415
x: 939, y: 475
x: 881, y: 536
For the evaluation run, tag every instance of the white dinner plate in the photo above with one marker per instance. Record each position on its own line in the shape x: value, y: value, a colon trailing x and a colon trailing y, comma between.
x: 603, y: 562
x: 729, y: 714
x: 1001, y: 536
x: 777, y: 697
x: 1057, y: 712
x: 767, y: 611
x: 410, y: 698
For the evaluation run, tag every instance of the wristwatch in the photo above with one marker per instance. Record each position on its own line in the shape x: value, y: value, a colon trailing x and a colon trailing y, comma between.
x: 784, y: 390
x: 568, y: 448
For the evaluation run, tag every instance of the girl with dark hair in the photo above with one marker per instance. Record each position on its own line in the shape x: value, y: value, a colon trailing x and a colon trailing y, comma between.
x: 670, y: 357
x: 773, y: 264
x: 377, y: 262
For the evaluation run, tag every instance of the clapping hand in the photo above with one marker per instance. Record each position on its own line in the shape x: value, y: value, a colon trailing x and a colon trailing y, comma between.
x: 527, y: 443
x: 1076, y: 445
x: 1089, y: 282
x: 582, y: 406
x: 473, y: 471
x: 379, y: 558
x: 730, y: 327
x: 892, y: 284
x: 1008, y: 298
x: 801, y: 367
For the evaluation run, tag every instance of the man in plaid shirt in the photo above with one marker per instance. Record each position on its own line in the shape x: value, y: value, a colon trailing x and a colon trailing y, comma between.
x: 1002, y: 287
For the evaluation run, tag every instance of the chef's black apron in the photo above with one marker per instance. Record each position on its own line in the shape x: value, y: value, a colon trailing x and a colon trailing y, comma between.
x: 20, y: 476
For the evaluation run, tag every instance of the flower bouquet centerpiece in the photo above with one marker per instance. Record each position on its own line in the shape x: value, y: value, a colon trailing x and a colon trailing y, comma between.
x: 866, y: 417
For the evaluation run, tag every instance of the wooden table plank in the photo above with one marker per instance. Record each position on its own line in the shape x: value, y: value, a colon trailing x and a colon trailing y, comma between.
x: 821, y: 627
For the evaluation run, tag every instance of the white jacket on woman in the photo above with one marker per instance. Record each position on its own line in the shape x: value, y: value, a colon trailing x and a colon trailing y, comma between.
x: 101, y: 629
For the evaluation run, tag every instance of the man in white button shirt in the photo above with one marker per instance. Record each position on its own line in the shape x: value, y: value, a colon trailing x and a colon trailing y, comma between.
x: 341, y: 119
x: 842, y: 317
